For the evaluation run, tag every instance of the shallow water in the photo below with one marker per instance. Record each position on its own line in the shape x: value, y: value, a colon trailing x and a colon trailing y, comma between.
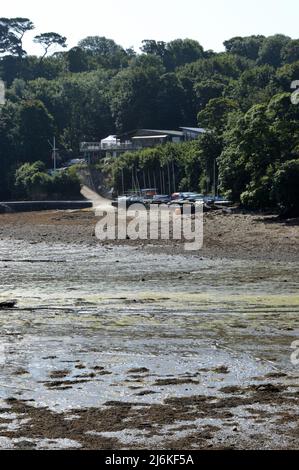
x: 122, y: 308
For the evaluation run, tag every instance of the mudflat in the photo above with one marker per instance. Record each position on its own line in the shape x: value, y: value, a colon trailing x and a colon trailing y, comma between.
x: 243, y: 236
x: 138, y: 344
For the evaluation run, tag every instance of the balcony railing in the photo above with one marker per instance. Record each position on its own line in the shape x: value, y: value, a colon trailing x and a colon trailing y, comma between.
x: 98, y: 146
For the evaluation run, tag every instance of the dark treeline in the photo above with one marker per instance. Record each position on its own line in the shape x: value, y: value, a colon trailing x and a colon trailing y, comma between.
x: 241, y: 96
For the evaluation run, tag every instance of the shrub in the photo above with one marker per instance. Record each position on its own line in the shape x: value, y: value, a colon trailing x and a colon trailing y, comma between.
x: 33, y: 182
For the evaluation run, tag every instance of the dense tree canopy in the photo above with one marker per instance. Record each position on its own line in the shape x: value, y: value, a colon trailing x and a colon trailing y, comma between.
x: 241, y: 96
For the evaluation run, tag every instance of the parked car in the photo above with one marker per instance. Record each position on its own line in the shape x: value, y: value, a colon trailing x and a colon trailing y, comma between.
x: 194, y: 205
x: 75, y: 161
x: 128, y: 201
x: 222, y: 201
x: 161, y: 199
x: 209, y: 199
x: 193, y: 197
x: 176, y: 196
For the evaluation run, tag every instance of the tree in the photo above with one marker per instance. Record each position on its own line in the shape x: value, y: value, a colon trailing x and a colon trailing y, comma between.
x: 248, y: 47
x: 99, y: 45
x: 206, y: 90
x: 77, y: 60
x: 9, y: 43
x: 13, y: 29
x: 36, y: 128
x: 290, y: 52
x: 181, y: 52
x: 25, y: 172
x: 19, y: 27
x: 133, y: 96
x: 214, y: 115
x: 286, y: 75
x: 271, y: 50
x: 169, y: 102
x: 286, y: 187
x: 83, y: 111
x: 250, y: 148
x: 8, y: 147
x: 210, y: 147
x: 284, y: 116
x: 168, y: 167
x: 152, y: 47
x: 47, y: 40
x: 104, y: 51
x: 175, y: 53
x: 258, y: 144
x: 255, y: 85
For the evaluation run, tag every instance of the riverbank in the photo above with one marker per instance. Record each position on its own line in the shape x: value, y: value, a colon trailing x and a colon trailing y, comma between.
x: 232, y: 236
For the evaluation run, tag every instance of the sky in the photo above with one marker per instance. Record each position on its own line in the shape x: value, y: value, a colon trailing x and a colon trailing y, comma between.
x: 128, y: 22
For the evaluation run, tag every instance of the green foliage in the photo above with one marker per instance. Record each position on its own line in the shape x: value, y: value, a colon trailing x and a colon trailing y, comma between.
x: 272, y: 49
x: 290, y: 52
x: 214, y: 116
x: 241, y: 96
x: 258, y: 144
x: 286, y: 187
x: 175, y: 53
x: 133, y: 90
x: 103, y: 52
x: 248, y: 47
x: 77, y: 60
x: 36, y: 127
x: 168, y: 167
x: 12, y: 31
x: 207, y: 90
x: 31, y: 180
x: 34, y: 183
x: 47, y: 40
x: 259, y: 194
x: 255, y: 86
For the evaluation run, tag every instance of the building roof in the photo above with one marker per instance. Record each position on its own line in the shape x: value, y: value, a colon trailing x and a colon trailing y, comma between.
x: 109, y: 139
x: 160, y: 136
x: 167, y: 132
x: 149, y: 132
x: 198, y: 130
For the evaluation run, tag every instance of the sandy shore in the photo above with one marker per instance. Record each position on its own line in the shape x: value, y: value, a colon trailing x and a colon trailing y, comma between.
x: 233, y: 236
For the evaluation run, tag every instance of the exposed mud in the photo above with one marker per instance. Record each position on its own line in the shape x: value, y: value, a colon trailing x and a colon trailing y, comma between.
x: 237, y: 236
x: 199, y: 422
x: 121, y: 347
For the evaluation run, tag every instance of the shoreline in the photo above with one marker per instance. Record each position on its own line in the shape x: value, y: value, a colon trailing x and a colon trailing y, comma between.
x: 231, y: 236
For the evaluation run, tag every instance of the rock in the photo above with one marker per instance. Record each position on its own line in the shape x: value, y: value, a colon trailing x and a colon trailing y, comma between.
x: 221, y: 370
x: 8, y: 304
x: 268, y: 388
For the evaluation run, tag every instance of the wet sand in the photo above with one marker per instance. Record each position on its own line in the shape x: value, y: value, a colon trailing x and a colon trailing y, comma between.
x: 146, y: 346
